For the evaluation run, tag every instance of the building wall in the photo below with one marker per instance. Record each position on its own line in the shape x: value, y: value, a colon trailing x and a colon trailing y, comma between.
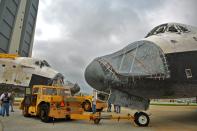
x: 8, y: 12
x: 28, y: 28
x: 17, y: 26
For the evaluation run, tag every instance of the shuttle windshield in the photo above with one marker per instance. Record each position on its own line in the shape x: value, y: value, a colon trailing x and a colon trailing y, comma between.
x: 42, y: 63
x: 172, y: 28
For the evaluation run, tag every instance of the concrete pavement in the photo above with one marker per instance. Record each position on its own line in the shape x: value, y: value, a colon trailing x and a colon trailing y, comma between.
x: 182, y: 118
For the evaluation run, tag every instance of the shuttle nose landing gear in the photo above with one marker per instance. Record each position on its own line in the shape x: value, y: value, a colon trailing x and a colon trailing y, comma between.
x: 141, y: 119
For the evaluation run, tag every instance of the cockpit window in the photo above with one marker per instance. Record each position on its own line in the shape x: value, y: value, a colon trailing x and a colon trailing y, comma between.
x: 37, y: 63
x: 172, y: 29
x: 42, y: 63
x: 183, y: 29
x: 157, y: 30
x: 46, y: 63
x: 160, y: 30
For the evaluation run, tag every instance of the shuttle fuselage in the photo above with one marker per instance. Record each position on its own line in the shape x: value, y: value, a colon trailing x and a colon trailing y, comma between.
x: 162, y: 65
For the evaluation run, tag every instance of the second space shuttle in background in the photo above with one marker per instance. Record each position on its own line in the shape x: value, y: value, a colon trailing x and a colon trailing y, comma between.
x: 25, y: 72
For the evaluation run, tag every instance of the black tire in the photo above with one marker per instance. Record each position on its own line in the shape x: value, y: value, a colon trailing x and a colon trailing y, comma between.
x: 135, y: 115
x: 25, y: 111
x: 141, y: 119
x: 44, y: 111
x: 96, y: 121
x: 67, y: 118
x: 87, y: 106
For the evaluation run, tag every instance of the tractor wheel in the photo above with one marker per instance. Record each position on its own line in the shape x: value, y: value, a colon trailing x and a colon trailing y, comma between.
x: 44, y: 111
x: 87, y: 106
x: 141, y: 119
x: 135, y: 115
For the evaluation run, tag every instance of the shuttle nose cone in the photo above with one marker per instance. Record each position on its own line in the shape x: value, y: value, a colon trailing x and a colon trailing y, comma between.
x: 94, y: 75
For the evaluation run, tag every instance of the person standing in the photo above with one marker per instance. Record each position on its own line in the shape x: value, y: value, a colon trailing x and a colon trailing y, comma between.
x: 109, y: 106
x: 94, y: 102
x: 12, y: 98
x: 118, y: 108
x: 115, y: 108
x: 5, y: 103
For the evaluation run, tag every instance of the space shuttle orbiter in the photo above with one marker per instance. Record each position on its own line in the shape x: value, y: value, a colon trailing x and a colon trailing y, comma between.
x: 25, y: 72
x: 162, y: 65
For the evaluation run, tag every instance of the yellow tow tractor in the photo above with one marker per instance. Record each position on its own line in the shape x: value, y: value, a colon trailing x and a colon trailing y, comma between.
x: 86, y: 100
x: 53, y: 102
x: 49, y: 102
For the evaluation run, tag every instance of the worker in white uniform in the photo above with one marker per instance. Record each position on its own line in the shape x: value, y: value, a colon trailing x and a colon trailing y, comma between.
x: 94, y: 97
x: 5, y: 99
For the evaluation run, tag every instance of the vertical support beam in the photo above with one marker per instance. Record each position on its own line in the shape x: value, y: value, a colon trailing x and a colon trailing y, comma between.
x: 25, y: 48
x: 16, y: 34
x: 32, y: 40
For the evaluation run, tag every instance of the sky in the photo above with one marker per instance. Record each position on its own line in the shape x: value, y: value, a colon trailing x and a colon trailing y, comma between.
x: 71, y: 33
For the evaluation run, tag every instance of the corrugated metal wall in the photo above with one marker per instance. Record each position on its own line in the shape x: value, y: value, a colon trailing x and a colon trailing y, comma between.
x: 8, y: 12
x: 28, y: 27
